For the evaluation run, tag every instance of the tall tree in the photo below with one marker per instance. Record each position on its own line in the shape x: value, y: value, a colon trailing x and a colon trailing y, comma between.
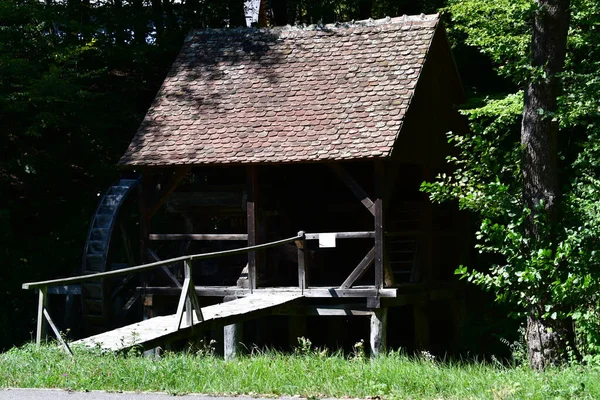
x: 547, y: 338
x: 529, y: 168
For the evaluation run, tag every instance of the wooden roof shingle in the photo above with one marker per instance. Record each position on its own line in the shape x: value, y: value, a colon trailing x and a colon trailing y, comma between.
x: 335, y: 92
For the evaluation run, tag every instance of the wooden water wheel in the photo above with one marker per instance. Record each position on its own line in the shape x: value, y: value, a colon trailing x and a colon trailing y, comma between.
x: 109, y: 247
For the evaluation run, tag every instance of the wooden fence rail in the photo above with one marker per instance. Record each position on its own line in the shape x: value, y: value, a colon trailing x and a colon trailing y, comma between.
x: 188, y: 300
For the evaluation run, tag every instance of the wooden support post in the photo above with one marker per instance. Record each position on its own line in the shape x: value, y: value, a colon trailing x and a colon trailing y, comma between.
x: 302, y: 261
x: 378, y: 333
x: 39, y: 334
x: 379, y: 177
x: 232, y: 336
x: 188, y: 299
x: 148, y: 306
x: 251, y: 209
x: 145, y: 191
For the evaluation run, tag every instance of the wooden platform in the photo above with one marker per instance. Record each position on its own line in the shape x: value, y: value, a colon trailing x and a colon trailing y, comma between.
x: 157, y: 330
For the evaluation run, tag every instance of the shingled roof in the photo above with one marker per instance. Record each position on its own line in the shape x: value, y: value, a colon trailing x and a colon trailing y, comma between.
x: 290, y: 94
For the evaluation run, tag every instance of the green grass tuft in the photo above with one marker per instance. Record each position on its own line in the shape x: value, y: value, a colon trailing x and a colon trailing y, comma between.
x: 312, y: 374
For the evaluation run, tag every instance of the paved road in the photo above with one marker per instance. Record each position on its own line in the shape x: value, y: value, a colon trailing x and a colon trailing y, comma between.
x: 57, y: 394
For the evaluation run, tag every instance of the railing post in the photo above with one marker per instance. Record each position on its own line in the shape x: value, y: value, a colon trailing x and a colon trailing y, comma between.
x: 187, y: 271
x: 40, y: 317
x: 251, y: 216
x: 188, y: 299
x: 302, y: 258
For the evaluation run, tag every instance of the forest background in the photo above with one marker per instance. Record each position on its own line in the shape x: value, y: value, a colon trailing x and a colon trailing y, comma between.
x: 77, y: 76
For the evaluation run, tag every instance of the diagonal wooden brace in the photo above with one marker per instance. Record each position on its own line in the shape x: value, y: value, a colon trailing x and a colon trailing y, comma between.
x: 188, y: 299
x: 360, y: 269
x: 354, y: 187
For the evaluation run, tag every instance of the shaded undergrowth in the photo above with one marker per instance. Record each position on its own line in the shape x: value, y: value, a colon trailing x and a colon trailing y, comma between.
x: 307, y: 372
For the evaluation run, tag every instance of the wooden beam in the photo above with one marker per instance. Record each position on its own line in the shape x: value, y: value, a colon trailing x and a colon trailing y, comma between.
x: 199, y: 236
x: 360, y: 269
x: 341, y: 310
x: 251, y: 209
x: 343, y: 235
x: 39, y: 333
x: 232, y: 336
x: 168, y: 188
x: 379, y: 177
x: 144, y: 193
x: 378, y: 333
x: 164, y: 269
x: 353, y: 186
x: 302, y: 261
x: 316, y: 292
x: 60, y: 339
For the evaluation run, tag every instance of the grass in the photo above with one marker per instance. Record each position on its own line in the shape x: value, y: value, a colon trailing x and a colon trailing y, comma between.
x: 308, y: 373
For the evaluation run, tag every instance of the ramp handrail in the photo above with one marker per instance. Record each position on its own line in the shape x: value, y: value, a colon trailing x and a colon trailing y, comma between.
x: 149, y: 266
x: 188, y: 297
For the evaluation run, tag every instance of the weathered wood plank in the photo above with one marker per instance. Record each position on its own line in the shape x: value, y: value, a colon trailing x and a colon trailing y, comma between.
x: 343, y: 235
x: 164, y: 269
x: 60, y: 339
x: 318, y: 292
x: 39, y: 333
x: 379, y: 178
x: 232, y: 336
x: 199, y: 236
x: 302, y: 259
x: 252, y: 182
x: 150, y: 332
x: 354, y: 187
x: 342, y: 310
x: 181, y: 305
x: 378, y: 332
x: 360, y: 269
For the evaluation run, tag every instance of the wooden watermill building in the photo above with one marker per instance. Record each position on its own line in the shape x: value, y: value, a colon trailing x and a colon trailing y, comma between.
x: 257, y: 134
x: 320, y: 133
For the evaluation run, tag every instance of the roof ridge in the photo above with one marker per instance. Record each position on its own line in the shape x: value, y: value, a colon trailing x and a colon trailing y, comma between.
x: 429, y: 19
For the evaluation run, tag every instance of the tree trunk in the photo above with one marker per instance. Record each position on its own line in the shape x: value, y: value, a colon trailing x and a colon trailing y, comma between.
x: 547, y: 339
x: 119, y: 34
x: 157, y: 16
x: 237, y: 16
x: 140, y: 24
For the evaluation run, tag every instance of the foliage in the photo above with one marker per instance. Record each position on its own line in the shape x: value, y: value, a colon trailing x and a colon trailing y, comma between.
x: 560, y: 276
x: 392, y: 376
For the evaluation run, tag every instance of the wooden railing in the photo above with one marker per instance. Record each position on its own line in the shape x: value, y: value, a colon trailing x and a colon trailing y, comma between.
x: 188, y: 300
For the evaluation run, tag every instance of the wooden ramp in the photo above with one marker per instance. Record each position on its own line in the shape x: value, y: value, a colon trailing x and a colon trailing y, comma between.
x: 157, y: 330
